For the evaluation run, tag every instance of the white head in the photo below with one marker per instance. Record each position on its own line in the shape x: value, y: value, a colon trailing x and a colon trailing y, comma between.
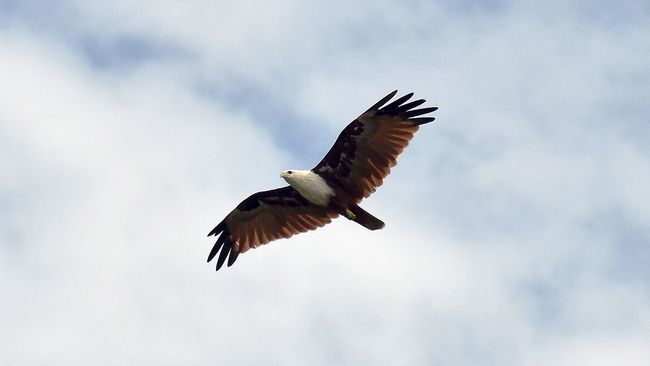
x: 294, y: 174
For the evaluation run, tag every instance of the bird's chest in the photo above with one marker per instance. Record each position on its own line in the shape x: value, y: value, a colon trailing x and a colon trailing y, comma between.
x: 314, y: 188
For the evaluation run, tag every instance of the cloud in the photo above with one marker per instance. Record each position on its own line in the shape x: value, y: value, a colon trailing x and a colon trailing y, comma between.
x: 515, y: 224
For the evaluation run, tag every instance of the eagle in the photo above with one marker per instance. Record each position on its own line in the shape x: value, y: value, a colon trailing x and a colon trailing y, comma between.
x: 352, y: 169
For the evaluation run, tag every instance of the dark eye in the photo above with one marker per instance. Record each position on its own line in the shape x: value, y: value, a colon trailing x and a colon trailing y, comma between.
x: 289, y: 172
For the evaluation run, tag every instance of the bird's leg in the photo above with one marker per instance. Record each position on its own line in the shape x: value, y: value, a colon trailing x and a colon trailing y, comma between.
x: 342, y: 209
x: 349, y: 214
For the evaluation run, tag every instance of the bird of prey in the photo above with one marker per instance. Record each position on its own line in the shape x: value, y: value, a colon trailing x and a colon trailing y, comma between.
x: 351, y: 170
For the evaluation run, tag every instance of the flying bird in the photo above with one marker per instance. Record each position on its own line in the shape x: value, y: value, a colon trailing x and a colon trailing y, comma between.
x: 351, y: 170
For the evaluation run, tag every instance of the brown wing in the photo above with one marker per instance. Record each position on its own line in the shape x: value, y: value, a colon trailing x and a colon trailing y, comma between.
x: 263, y: 217
x: 368, y: 147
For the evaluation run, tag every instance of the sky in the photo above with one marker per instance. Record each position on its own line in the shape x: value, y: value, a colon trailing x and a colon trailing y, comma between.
x: 517, y: 224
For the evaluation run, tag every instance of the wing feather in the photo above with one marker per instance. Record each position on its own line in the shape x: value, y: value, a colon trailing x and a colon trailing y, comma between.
x: 217, y: 246
x: 264, y: 217
x: 368, y: 147
x: 224, y: 253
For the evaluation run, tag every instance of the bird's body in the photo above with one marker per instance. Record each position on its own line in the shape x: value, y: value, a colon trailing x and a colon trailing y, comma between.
x: 354, y: 167
x: 310, y: 185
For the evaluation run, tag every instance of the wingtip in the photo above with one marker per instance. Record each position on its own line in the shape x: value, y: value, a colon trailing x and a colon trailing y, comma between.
x: 228, y: 248
x: 217, y: 245
x: 382, y: 101
x: 217, y: 229
x: 395, y: 105
x: 233, y: 256
x: 422, y: 120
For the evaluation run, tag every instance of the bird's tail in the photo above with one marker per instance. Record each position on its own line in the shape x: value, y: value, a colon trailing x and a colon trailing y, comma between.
x: 365, y: 219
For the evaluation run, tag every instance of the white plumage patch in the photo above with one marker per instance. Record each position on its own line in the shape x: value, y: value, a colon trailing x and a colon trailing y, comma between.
x: 310, y: 185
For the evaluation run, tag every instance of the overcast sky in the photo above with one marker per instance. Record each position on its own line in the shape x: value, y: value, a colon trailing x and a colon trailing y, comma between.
x: 517, y: 225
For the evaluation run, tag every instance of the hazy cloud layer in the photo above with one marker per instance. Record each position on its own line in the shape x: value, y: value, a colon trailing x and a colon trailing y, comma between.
x: 517, y: 224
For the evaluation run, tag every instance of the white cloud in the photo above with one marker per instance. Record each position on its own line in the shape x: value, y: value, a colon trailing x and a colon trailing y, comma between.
x: 494, y: 251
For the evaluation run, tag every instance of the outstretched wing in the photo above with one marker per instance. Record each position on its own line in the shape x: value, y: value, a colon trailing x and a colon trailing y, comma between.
x: 368, y: 147
x: 263, y: 217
